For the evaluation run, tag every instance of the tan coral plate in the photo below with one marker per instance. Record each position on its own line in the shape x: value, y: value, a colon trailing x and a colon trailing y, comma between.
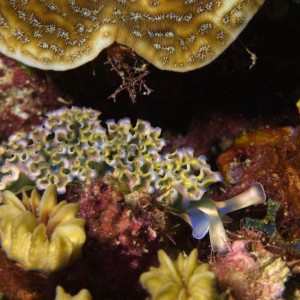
x: 176, y: 35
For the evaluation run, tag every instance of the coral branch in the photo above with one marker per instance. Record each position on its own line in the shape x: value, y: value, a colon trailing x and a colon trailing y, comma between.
x: 131, y: 69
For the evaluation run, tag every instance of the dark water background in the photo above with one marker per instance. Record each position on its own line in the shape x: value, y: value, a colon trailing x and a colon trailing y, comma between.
x: 266, y: 93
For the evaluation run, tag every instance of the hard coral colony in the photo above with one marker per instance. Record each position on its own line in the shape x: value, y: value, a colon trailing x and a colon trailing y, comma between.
x: 72, y: 145
x: 173, y: 35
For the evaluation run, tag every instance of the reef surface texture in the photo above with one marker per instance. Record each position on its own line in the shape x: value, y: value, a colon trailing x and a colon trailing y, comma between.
x: 241, y: 112
x: 25, y: 95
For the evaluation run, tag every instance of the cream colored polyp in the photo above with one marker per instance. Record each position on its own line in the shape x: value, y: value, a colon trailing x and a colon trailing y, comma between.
x: 38, y: 233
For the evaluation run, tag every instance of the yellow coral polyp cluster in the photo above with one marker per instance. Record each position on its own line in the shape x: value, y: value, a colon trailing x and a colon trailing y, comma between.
x: 62, y: 295
x: 176, y: 35
x: 184, y: 278
x: 40, y: 233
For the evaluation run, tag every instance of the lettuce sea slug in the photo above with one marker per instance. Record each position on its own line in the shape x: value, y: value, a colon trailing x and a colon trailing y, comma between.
x: 72, y: 145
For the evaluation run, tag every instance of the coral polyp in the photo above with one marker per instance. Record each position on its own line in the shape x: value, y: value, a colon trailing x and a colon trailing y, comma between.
x: 39, y: 233
x: 62, y: 295
x: 184, y: 278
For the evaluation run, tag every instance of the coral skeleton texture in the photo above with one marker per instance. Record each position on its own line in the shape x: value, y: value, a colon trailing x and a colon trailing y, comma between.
x: 38, y: 233
x: 174, y: 35
x: 24, y: 96
x: 252, y: 272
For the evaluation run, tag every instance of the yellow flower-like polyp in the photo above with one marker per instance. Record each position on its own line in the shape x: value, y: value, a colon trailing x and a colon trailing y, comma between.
x: 182, y: 279
x: 39, y: 233
x: 82, y: 295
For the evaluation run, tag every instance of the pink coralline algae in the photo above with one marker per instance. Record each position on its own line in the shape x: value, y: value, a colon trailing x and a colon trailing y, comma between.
x: 121, y: 231
x: 251, y: 272
x: 129, y: 223
x: 25, y: 95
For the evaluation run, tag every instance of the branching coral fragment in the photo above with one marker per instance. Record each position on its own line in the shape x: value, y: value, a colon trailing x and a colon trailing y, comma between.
x: 132, y: 71
x: 38, y: 233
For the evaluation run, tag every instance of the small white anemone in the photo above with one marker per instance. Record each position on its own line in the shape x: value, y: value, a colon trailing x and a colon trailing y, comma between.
x: 40, y: 233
